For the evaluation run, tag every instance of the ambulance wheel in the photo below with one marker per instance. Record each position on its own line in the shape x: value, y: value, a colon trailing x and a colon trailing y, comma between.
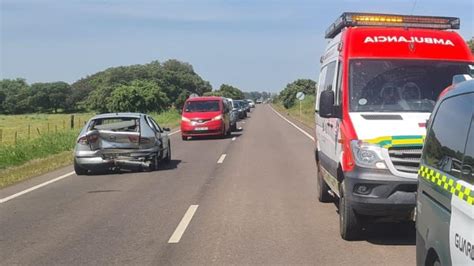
x: 323, y: 188
x: 349, y: 223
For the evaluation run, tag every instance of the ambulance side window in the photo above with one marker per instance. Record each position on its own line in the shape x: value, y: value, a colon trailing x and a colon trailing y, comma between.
x: 339, y: 84
x: 322, y: 77
x: 445, y: 143
x: 329, y: 80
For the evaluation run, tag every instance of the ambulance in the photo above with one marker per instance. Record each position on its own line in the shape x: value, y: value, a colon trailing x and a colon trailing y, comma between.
x: 380, y: 77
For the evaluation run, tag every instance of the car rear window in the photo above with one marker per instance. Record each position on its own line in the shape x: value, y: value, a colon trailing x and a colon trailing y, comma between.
x: 127, y: 124
x: 201, y: 106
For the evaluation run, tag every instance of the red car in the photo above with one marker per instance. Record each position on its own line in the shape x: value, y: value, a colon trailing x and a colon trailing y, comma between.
x: 205, y: 116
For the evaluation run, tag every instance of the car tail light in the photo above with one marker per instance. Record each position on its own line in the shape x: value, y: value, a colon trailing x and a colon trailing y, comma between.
x: 92, y: 138
x: 133, y: 139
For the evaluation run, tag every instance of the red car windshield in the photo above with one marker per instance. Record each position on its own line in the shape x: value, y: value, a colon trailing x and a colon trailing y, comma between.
x: 201, y: 106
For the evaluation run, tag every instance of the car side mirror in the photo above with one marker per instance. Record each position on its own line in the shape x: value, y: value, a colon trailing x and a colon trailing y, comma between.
x: 326, y: 104
x: 166, y: 129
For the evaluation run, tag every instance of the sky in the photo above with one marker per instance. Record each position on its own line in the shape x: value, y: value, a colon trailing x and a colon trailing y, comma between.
x: 255, y: 45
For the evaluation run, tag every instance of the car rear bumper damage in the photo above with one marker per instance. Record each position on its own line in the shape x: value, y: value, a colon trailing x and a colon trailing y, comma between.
x: 98, y: 163
x: 379, y: 193
x: 96, y: 160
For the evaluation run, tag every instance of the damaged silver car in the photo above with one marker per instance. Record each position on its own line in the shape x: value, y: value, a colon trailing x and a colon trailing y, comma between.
x: 121, y: 141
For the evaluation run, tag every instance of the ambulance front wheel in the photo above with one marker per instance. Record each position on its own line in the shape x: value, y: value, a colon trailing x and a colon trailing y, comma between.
x: 349, y: 223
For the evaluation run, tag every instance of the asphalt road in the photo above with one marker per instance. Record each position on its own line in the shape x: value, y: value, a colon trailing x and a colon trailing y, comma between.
x: 258, y: 206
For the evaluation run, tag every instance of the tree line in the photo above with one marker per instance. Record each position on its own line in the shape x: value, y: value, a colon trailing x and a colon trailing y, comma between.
x: 152, y: 87
x: 288, y: 95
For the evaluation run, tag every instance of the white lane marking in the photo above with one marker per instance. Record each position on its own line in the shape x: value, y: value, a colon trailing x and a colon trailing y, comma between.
x: 178, y: 233
x: 233, y: 138
x: 172, y: 133
x: 3, y: 200
x: 222, y: 158
x: 293, y: 124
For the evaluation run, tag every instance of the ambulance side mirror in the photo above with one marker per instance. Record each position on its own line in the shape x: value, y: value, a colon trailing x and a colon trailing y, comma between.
x: 326, y: 104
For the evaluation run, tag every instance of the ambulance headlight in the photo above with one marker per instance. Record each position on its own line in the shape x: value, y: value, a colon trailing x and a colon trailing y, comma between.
x: 367, y: 155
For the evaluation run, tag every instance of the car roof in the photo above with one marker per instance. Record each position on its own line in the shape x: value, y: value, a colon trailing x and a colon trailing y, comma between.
x: 112, y: 115
x: 461, y: 88
x: 205, y: 98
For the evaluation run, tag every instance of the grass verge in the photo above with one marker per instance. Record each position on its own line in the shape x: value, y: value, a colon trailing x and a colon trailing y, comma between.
x: 33, y: 168
x: 307, y: 110
x: 50, y: 151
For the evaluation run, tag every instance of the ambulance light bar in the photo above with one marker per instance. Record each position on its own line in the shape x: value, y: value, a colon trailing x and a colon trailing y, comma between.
x: 350, y: 19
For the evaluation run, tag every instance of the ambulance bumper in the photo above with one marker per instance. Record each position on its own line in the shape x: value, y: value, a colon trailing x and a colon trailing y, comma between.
x: 380, y: 193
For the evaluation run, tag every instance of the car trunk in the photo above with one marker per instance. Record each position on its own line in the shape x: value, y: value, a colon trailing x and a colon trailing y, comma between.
x: 112, y: 135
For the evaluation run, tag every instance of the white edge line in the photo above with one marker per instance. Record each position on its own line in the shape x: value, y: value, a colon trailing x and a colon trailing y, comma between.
x: 172, y: 133
x: 179, y: 231
x: 35, y: 187
x: 293, y: 124
x: 222, y: 158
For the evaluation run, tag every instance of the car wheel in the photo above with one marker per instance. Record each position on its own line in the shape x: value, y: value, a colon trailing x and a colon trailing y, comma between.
x: 349, y: 223
x: 234, y: 127
x: 167, y: 159
x: 78, y: 169
x: 184, y: 138
x: 323, y: 188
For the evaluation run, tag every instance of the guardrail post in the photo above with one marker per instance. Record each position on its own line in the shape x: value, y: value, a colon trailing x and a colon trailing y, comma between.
x: 72, y: 121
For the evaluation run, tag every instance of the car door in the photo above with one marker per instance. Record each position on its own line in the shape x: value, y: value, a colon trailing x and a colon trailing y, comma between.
x: 461, y: 226
x: 162, y: 136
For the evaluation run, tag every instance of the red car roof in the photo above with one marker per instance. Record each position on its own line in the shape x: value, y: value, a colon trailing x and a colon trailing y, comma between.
x: 400, y: 43
x: 204, y: 98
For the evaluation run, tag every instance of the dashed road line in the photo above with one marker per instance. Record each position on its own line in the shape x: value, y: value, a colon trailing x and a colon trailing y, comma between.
x: 233, y: 139
x: 179, y: 231
x: 222, y: 158
x: 293, y: 124
x: 3, y: 200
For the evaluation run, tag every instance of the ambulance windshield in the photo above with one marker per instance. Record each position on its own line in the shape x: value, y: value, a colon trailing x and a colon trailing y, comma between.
x: 399, y: 85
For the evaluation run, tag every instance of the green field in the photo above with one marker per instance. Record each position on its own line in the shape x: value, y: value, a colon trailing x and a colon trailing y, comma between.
x: 39, y: 150
x: 307, y: 110
x: 30, y: 126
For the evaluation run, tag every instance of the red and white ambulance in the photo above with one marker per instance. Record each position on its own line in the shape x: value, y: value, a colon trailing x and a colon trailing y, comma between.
x: 380, y: 77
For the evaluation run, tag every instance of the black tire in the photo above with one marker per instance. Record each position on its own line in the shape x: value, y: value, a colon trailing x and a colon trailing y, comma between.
x: 184, y: 138
x: 229, y: 131
x: 167, y: 159
x: 323, y: 188
x: 234, y: 127
x: 349, y: 224
x: 78, y: 169
x: 155, y: 163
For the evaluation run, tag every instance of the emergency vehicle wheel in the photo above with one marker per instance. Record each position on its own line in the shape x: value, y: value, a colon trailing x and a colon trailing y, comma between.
x: 323, y: 188
x: 349, y: 223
